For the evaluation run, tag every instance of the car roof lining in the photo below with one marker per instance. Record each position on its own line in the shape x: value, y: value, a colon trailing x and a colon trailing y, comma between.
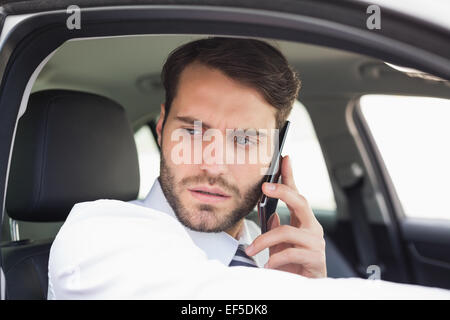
x: 127, y: 70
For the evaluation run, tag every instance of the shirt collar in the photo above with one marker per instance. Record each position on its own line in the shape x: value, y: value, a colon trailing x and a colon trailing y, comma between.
x: 220, y: 246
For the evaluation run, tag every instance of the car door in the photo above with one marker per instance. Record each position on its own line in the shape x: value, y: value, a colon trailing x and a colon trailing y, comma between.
x: 32, y: 31
x: 407, y: 136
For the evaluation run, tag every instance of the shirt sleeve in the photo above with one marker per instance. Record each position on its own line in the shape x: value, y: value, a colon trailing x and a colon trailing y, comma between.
x: 109, y: 249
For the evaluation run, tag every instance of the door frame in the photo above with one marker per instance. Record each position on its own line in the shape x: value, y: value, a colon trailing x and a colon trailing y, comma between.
x: 28, y: 39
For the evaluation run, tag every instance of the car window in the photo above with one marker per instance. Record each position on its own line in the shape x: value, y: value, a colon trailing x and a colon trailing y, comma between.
x: 412, y: 135
x: 308, y: 164
x: 148, y: 156
x: 310, y: 172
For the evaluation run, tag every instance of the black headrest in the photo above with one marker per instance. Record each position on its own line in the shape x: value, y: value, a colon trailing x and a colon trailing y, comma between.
x: 70, y: 147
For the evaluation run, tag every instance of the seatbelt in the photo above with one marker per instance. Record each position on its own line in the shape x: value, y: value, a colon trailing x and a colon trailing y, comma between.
x: 351, y: 179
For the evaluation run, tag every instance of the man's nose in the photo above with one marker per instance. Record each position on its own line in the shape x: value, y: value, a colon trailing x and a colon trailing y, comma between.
x: 213, y: 159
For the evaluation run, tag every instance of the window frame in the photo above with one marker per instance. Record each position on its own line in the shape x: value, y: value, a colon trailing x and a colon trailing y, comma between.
x: 377, y: 175
x: 380, y: 176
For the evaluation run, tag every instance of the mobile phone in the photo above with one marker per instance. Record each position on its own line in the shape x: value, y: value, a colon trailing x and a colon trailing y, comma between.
x: 267, y: 205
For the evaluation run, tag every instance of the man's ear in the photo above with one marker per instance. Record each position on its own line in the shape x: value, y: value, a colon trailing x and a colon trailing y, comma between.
x: 159, y: 124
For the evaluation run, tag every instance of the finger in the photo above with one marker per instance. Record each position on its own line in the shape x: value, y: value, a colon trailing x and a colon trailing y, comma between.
x: 285, y: 235
x: 296, y: 203
x: 274, y: 221
x: 287, y: 175
x: 295, y: 256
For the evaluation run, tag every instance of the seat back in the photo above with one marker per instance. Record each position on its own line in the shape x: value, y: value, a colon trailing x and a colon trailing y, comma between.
x: 70, y: 147
x: 25, y: 265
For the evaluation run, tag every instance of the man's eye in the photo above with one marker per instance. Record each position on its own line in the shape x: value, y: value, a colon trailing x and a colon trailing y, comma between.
x: 193, y: 131
x: 243, y: 140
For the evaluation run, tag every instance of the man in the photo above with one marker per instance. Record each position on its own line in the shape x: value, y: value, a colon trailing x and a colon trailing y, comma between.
x: 213, y: 87
x: 231, y: 83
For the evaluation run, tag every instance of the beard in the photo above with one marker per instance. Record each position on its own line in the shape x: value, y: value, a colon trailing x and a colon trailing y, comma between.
x: 205, y: 213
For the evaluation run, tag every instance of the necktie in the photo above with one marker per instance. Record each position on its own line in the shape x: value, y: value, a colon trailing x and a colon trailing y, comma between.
x: 242, y: 259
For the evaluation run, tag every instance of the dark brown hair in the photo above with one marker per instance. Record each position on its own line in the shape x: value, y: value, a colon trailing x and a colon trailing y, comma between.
x: 251, y: 62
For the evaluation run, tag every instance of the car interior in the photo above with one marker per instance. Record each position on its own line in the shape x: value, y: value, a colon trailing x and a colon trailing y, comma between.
x: 78, y: 141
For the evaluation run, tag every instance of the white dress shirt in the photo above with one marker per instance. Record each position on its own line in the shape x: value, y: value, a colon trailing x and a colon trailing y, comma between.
x: 220, y: 246
x: 111, y: 249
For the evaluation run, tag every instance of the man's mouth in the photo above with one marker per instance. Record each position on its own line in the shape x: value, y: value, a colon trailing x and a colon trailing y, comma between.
x: 209, y: 195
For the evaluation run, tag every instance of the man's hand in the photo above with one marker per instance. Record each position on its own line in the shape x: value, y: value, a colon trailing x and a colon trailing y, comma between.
x: 299, y: 247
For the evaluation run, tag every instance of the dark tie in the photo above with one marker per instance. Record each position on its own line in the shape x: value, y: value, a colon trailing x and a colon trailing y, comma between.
x: 242, y: 259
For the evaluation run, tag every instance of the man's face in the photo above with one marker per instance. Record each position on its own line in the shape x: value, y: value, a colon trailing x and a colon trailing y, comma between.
x: 221, y: 103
